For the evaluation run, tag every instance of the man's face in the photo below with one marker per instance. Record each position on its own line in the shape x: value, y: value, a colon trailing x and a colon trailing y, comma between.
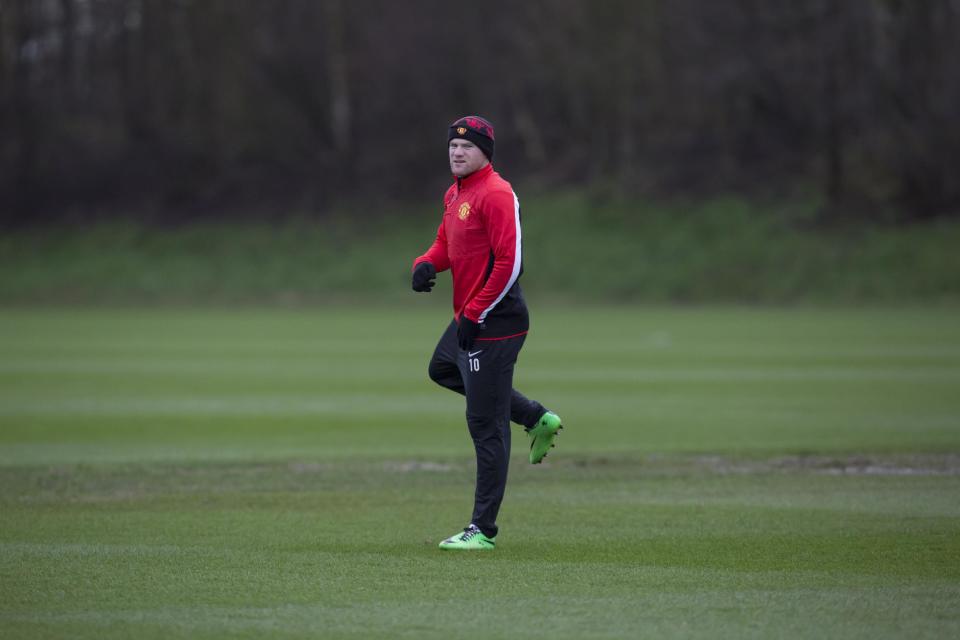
x: 465, y: 157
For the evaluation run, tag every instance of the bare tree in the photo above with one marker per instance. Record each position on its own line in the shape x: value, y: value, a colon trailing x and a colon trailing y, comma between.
x: 190, y: 107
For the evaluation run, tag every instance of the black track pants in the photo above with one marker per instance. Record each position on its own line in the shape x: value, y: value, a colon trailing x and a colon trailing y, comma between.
x: 485, y: 376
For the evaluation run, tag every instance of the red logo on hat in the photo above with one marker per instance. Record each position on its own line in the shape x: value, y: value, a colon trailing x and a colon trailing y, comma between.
x: 480, y: 126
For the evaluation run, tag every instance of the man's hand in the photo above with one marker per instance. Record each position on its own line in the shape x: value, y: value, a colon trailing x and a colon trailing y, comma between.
x: 467, y: 331
x: 423, y: 277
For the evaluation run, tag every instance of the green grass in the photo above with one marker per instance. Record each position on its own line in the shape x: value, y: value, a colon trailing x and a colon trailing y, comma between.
x: 725, y: 473
x: 575, y: 247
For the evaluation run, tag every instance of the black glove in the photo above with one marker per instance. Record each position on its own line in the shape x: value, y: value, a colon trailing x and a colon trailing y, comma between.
x: 467, y: 331
x: 423, y: 277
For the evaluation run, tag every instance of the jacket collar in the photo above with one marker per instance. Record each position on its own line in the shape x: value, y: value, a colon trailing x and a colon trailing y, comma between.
x: 474, y: 178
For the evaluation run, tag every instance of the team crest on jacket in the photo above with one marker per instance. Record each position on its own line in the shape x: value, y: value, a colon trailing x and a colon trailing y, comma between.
x: 464, y: 211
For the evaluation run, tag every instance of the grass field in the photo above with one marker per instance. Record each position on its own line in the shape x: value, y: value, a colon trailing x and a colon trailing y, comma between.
x: 718, y: 251
x: 724, y: 473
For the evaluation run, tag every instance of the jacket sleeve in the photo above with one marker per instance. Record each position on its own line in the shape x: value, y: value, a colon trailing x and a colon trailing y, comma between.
x: 502, y: 217
x: 437, y: 253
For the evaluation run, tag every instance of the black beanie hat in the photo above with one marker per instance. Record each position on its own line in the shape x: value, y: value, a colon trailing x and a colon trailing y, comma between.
x: 476, y: 130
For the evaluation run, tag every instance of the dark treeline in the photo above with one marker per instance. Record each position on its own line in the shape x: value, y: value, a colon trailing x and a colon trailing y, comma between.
x: 174, y: 108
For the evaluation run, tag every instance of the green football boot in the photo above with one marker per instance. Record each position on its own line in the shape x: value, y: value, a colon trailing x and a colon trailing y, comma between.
x: 469, y: 539
x: 542, y: 435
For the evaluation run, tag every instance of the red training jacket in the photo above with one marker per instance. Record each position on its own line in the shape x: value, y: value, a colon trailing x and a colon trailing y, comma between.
x: 479, y: 240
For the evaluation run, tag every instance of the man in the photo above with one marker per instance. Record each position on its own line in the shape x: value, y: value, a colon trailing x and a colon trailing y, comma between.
x: 479, y: 242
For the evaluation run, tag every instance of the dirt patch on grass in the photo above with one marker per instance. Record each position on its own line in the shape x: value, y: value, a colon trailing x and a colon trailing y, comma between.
x: 134, y: 482
x: 900, y: 465
x: 420, y: 465
x: 853, y: 464
x: 926, y: 464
